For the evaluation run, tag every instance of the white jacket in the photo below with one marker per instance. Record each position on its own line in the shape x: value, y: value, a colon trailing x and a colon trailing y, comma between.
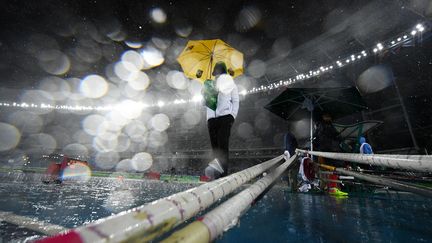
x: 227, y: 104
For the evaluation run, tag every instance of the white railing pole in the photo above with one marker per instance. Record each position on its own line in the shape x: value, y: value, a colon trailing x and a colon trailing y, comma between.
x: 226, y: 215
x: 149, y: 221
x: 422, y: 163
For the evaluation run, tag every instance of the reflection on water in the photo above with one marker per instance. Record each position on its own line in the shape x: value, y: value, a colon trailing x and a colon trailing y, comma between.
x: 72, y: 205
x: 287, y: 217
x: 279, y: 217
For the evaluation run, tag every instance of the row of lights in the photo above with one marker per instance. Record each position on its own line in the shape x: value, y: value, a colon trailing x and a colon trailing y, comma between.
x: 160, y: 103
x: 417, y: 30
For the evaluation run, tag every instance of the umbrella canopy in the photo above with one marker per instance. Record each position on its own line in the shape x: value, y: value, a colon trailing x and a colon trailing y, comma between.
x: 354, y: 131
x: 338, y: 102
x: 200, y: 56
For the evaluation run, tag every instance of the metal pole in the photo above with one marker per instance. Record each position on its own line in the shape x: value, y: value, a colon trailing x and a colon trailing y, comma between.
x: 311, y: 131
x: 422, y: 163
x: 403, y: 186
x: 413, y: 138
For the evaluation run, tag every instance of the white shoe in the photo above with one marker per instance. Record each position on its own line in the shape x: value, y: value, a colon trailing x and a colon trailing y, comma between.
x: 214, y: 170
x: 287, y: 155
x: 216, y: 165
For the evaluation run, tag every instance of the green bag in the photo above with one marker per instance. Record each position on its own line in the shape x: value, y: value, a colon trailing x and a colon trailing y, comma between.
x: 210, y: 94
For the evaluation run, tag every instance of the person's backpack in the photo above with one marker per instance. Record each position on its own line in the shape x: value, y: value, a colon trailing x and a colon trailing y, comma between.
x: 210, y: 94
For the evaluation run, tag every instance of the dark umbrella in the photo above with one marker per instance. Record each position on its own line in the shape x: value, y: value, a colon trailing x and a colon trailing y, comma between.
x: 338, y: 102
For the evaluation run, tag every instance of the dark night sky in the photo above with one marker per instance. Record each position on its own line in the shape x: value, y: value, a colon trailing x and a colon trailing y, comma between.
x: 312, y: 32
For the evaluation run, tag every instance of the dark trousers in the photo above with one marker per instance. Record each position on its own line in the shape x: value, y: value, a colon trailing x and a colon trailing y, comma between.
x: 219, y: 131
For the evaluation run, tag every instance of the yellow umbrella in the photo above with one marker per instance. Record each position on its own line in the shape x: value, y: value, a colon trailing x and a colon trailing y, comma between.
x: 200, y: 56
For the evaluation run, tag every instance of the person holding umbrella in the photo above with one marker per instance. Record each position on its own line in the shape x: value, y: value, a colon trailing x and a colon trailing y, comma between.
x: 222, y: 105
x: 210, y: 62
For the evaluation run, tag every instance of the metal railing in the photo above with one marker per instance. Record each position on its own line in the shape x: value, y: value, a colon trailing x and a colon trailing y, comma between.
x: 422, y: 163
x: 149, y: 221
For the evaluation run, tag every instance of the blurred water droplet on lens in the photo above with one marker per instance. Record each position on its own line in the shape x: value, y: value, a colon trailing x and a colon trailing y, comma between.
x: 76, y: 172
x: 142, y: 161
x: 126, y: 70
x: 123, y: 143
x: 157, y: 139
x: 75, y: 149
x: 133, y: 57
x: 42, y: 142
x: 301, y: 128
x: 116, y: 117
x: 107, y: 160
x: 54, y: 61
x: 247, y: 18
x: 94, y: 86
x: 82, y: 137
x: 39, y: 42
x: 256, y: 68
x: 129, y: 109
x: 140, y: 82
x: 91, y: 124
x: 177, y: 80
x: 133, y: 44
x: 88, y: 51
x: 136, y: 130
x: 158, y: 15
x: 236, y: 60
x: 214, y: 22
x: 27, y: 122
x: 192, y: 117
x: 57, y: 87
x: 44, y: 99
x: 106, y: 144
x: 152, y: 57
x: 245, y: 81
x: 195, y: 87
x: 9, y: 135
x: 245, y: 130
x: 160, y: 43
x: 262, y: 122
x: 124, y: 165
x: 281, y: 47
x: 249, y: 47
x: 336, y: 20
x: 118, y: 35
x: 374, y: 79
x: 108, y: 130
x: 182, y: 28
x: 160, y: 122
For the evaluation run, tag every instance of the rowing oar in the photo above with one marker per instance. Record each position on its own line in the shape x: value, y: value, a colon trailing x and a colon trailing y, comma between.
x: 403, y: 186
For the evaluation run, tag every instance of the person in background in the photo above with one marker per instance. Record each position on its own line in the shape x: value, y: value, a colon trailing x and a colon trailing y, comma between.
x: 290, y: 145
x: 328, y: 140
x: 327, y: 137
x: 222, y: 105
x: 365, y: 148
x: 307, y: 175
